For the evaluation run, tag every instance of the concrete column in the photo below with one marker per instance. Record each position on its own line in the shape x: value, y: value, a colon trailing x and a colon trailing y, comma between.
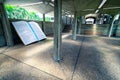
x: 6, y: 26
x: 57, y: 29
x: 43, y: 22
x: 116, y: 17
x: 111, y: 29
x: 71, y: 19
x: 75, y: 26
x: 79, y: 26
x: 66, y: 20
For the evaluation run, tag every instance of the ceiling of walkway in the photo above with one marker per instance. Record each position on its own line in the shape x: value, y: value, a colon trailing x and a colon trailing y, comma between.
x: 69, y: 6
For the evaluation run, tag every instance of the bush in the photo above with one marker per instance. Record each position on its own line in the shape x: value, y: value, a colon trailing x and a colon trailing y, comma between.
x: 15, y: 12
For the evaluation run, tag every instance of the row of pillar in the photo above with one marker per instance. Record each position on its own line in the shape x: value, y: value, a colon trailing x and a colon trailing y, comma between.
x: 58, y: 31
x: 58, y: 26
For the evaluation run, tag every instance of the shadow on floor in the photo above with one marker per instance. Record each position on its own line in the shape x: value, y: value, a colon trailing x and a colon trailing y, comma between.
x: 90, y: 65
x: 83, y: 59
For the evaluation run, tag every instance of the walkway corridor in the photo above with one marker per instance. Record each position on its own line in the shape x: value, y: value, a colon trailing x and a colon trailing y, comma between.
x: 87, y: 58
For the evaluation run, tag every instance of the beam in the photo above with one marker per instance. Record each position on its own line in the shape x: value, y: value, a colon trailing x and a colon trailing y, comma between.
x: 57, y: 30
x: 75, y: 26
x: 48, y: 12
x: 30, y: 4
x: 6, y: 26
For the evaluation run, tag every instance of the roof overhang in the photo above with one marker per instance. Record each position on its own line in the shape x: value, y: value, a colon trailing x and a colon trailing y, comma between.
x: 82, y: 7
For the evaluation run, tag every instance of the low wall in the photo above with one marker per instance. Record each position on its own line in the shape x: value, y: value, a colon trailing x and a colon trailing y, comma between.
x: 95, y: 29
x: 48, y: 28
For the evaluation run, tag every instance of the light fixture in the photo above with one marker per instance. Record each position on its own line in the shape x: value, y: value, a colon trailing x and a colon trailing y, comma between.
x: 112, y: 8
x: 117, y: 17
x: 103, y: 2
x: 100, y: 6
x: 88, y: 10
x: 52, y: 0
x: 97, y: 11
x: 30, y: 4
x: 51, y: 4
x: 69, y: 15
x: 67, y: 12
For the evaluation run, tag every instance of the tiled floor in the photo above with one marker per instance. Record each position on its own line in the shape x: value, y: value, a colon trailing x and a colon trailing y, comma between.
x: 87, y: 58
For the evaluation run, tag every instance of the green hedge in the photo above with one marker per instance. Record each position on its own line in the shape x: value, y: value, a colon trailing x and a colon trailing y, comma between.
x: 15, y: 12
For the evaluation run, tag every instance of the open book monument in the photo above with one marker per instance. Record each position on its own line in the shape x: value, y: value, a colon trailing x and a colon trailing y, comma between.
x: 28, y: 32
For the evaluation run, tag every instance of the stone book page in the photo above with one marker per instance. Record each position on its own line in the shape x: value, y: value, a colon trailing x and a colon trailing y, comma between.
x: 37, y: 30
x: 24, y: 32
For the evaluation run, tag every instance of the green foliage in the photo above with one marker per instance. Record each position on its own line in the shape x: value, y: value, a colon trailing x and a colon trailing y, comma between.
x: 15, y: 12
x: 34, y: 16
x: 47, y: 19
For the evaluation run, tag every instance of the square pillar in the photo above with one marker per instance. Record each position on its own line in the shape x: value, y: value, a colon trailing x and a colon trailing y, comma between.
x: 71, y: 20
x: 74, y: 26
x: 66, y: 19
x: 79, y: 26
x: 116, y: 17
x: 6, y: 26
x: 57, y: 29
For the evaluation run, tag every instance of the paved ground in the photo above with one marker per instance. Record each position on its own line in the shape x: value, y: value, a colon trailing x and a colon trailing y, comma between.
x: 87, y: 58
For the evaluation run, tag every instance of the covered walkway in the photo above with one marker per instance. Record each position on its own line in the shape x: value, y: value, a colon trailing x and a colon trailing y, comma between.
x: 86, y: 58
x: 66, y: 56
